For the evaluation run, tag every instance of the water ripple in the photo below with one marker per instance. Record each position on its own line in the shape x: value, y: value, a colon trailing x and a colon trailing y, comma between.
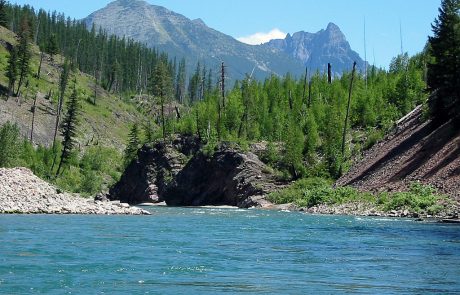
x: 226, y: 250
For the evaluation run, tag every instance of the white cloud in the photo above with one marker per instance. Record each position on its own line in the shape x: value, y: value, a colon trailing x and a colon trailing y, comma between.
x: 262, y: 37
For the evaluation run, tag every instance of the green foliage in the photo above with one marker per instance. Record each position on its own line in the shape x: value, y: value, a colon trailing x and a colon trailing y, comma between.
x: 374, y: 135
x: 133, y: 145
x: 300, y: 191
x: 3, y: 14
x: 312, y: 138
x: 443, y: 69
x: 69, y: 180
x: 91, y: 183
x: 418, y: 198
x: 69, y: 129
x: 12, y: 70
x: 52, y: 47
x: 271, y: 154
x: 310, y: 192
x: 10, y: 145
x: 97, y: 168
x: 24, y: 53
x: 293, y: 154
x: 315, y: 191
x: 100, y: 159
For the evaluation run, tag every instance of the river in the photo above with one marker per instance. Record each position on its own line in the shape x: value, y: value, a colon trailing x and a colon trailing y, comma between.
x: 232, y: 251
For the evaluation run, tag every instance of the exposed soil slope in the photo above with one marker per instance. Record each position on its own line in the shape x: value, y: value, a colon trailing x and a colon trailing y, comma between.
x: 414, y: 151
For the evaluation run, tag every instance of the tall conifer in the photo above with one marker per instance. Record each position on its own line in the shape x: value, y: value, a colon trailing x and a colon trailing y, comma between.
x: 443, y: 72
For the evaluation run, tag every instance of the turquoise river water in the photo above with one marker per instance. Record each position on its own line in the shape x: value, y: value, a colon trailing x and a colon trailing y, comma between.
x: 231, y: 251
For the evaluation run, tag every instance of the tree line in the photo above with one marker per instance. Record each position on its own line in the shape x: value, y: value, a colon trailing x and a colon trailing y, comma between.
x: 302, y: 119
x: 118, y: 64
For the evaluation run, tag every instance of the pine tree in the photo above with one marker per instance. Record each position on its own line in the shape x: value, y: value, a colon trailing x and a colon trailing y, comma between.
x: 52, y: 47
x: 161, y: 90
x: 12, y: 70
x: 312, y: 137
x: 24, y: 54
x: 180, y: 81
x: 443, y: 72
x: 133, y: 145
x: 194, y: 84
x: 294, y: 146
x: 69, y: 129
x: 3, y: 14
x: 62, y: 88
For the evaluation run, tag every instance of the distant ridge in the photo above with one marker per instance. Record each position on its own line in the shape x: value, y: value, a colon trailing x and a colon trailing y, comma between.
x: 179, y: 36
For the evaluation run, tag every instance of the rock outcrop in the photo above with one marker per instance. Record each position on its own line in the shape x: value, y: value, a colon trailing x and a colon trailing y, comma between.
x: 146, y: 178
x: 227, y: 177
x: 24, y: 193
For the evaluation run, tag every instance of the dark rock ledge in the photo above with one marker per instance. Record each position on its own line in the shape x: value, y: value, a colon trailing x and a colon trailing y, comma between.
x: 180, y: 174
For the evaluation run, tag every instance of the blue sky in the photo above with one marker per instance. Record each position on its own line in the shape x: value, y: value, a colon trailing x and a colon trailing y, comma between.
x: 243, y: 18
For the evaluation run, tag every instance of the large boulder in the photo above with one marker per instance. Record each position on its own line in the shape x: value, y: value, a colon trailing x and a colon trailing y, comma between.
x: 227, y: 177
x: 146, y: 178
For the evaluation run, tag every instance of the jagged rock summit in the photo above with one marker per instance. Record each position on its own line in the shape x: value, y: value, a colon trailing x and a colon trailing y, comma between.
x: 315, y: 50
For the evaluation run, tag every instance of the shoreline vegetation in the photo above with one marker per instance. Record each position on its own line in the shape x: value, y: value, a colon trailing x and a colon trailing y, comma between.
x: 25, y: 193
x: 312, y: 138
x: 317, y: 196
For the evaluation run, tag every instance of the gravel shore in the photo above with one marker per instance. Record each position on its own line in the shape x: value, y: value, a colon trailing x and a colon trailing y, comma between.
x: 21, y: 192
x: 367, y: 209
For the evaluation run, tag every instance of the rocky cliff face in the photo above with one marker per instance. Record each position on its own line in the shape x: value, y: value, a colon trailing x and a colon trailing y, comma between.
x: 146, y: 178
x: 227, y: 177
x: 315, y: 50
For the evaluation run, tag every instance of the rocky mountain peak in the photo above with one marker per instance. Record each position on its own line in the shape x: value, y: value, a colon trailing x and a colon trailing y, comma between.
x: 334, y: 32
x: 332, y: 27
x: 315, y: 50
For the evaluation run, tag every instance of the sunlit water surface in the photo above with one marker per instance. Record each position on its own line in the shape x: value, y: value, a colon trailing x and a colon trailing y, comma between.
x: 212, y: 251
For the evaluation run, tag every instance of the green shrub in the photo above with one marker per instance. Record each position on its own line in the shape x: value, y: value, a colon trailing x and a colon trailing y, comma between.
x: 91, y: 183
x: 70, y: 180
x: 419, y: 198
x: 10, y: 144
x: 101, y: 159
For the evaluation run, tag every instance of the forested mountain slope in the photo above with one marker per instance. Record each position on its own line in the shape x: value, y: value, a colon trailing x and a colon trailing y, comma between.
x: 105, y: 123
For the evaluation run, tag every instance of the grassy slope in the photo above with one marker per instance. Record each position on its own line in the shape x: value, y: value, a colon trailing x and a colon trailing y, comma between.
x: 107, y: 122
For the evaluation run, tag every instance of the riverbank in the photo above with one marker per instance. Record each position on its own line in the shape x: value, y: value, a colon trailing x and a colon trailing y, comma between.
x: 21, y: 192
x: 368, y: 209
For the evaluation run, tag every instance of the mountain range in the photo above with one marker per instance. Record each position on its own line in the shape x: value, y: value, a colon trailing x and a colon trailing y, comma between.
x: 165, y: 30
